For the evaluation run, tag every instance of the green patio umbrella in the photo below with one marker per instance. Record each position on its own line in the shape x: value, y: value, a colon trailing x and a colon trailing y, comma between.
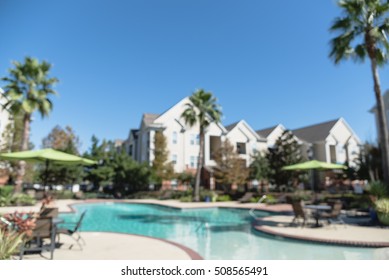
x: 46, y: 156
x: 314, y: 165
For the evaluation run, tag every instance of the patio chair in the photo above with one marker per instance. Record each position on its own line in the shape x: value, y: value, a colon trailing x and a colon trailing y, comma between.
x: 49, y: 212
x: 72, y: 230
x: 334, y: 216
x: 299, y: 212
x: 44, y: 229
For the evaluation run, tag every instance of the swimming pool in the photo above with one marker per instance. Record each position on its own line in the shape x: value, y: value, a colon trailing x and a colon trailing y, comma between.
x: 215, y: 233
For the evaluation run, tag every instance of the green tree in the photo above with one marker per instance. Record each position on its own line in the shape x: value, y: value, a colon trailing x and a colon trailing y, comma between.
x: 259, y: 168
x: 129, y: 175
x: 64, y: 140
x: 116, y: 168
x: 230, y: 168
x: 362, y: 32
x: 27, y: 90
x: 368, y: 163
x: 102, y: 173
x: 162, y: 169
x: 201, y: 110
x: 286, y: 151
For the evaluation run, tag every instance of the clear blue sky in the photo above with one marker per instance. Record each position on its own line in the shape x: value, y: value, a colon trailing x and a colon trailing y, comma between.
x: 266, y: 61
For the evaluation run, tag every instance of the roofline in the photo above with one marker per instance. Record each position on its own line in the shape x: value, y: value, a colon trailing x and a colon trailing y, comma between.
x: 252, y: 131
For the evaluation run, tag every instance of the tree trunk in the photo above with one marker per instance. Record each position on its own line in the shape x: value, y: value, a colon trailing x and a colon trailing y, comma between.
x: 24, y: 147
x: 382, y: 122
x: 200, y: 165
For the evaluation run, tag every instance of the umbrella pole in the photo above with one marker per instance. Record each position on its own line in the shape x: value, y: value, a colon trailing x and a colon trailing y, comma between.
x: 46, y: 173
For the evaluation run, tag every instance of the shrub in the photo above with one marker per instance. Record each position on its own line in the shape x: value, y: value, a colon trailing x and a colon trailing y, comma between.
x: 186, y: 199
x: 270, y: 199
x: 9, y: 243
x: 225, y: 197
x: 378, y: 189
x: 6, y: 190
x: 6, y: 196
x: 89, y: 195
x: 382, y: 206
x: 64, y: 194
x: 23, y: 199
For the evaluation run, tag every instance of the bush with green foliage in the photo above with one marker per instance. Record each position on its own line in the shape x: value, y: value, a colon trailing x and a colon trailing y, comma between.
x: 6, y: 195
x: 9, y: 243
x: 23, y: 200
x: 66, y: 194
x: 382, y: 206
x: 378, y: 189
x: 188, y: 198
x: 223, y: 198
x: 270, y: 200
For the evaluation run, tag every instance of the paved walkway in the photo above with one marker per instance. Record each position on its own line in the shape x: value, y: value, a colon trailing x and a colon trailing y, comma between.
x: 116, y: 246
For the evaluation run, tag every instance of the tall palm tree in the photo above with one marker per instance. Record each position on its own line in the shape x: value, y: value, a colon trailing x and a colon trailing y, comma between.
x: 202, y: 110
x: 27, y: 90
x: 362, y: 32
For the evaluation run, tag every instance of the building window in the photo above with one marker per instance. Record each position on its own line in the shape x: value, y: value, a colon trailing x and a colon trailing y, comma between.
x: 175, y: 135
x: 193, y: 162
x: 174, y: 159
x: 194, y: 139
x: 241, y: 148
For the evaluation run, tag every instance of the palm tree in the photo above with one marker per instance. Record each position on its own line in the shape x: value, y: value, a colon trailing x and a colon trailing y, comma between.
x: 366, y: 22
x: 202, y: 110
x: 27, y: 90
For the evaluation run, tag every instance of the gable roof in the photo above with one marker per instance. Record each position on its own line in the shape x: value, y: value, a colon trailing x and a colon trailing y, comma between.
x: 315, y: 133
x: 264, y: 133
x: 243, y: 123
x: 148, y: 119
x: 231, y: 126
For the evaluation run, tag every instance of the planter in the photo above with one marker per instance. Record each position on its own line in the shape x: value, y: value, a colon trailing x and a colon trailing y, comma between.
x: 383, y: 218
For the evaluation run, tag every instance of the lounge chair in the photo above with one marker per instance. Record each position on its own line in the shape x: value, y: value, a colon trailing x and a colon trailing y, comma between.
x: 44, y: 229
x: 246, y: 198
x: 166, y: 195
x: 72, y: 230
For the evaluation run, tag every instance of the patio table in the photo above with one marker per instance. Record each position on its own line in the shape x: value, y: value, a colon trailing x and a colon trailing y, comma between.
x: 318, y: 209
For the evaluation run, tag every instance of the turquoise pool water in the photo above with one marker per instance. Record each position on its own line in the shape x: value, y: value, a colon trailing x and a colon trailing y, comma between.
x: 215, y: 233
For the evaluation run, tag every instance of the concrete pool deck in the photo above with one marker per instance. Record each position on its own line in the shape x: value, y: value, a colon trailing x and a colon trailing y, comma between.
x: 101, y: 245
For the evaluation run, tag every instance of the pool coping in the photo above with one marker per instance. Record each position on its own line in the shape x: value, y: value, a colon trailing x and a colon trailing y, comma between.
x: 365, y: 244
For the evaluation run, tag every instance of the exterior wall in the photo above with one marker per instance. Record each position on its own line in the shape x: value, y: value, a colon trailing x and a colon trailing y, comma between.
x: 242, y: 134
x: 346, y: 143
x: 4, y: 119
x: 183, y: 149
x: 274, y: 135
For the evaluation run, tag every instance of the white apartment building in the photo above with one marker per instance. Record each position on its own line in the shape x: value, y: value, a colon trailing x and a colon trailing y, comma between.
x: 5, y: 118
x: 332, y: 141
x: 183, y: 140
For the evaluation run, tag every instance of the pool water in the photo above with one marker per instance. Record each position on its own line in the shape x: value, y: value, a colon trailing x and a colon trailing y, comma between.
x: 215, y: 233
